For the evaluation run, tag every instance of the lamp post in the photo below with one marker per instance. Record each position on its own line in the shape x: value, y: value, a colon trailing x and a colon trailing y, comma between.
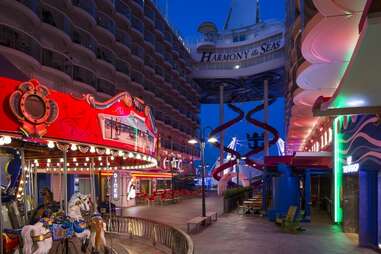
x: 202, y: 141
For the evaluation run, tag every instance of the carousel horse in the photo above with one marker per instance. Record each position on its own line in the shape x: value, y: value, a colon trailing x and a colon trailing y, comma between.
x: 60, y: 227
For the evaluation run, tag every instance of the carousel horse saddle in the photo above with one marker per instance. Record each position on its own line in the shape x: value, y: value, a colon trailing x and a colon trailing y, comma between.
x: 61, y: 231
x: 10, y: 240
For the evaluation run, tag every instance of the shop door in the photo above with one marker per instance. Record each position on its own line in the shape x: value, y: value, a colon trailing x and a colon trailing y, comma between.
x: 351, y: 203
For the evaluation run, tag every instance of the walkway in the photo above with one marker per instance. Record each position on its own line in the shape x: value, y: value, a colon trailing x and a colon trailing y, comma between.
x: 235, y: 234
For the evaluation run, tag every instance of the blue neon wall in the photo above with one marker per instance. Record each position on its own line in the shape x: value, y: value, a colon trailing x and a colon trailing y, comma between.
x: 362, y: 141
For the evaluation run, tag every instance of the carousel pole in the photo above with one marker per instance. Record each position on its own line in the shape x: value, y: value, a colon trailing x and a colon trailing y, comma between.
x: 65, y: 182
x: 92, y: 183
x: 22, y: 155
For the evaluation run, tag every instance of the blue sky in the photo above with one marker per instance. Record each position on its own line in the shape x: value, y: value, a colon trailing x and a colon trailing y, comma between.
x: 185, y: 16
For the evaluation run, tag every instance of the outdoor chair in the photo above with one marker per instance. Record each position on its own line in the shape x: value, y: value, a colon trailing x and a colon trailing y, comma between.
x: 291, y: 223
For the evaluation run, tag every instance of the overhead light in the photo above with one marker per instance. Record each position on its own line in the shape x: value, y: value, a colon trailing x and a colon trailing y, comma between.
x: 108, y: 151
x: 237, y: 66
x: 192, y: 141
x: 92, y: 149
x: 212, y: 140
x: 7, y: 140
x: 50, y: 144
x: 73, y: 147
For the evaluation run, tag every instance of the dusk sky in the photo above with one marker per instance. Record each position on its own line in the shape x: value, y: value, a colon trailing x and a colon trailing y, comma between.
x: 186, y: 16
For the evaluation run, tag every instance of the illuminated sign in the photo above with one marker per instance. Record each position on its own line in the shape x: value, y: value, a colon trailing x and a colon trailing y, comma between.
x: 115, y: 186
x: 129, y: 129
x: 242, y: 53
x: 350, y: 168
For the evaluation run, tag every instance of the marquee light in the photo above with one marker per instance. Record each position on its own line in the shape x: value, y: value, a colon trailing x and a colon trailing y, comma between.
x: 50, y: 144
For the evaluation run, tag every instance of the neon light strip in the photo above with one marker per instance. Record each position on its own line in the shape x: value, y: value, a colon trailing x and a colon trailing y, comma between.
x: 338, y: 171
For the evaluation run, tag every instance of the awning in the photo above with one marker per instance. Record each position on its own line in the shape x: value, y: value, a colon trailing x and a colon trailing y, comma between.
x: 359, y: 90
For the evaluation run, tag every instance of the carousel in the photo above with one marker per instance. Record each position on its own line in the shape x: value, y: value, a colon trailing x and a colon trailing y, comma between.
x: 46, y: 132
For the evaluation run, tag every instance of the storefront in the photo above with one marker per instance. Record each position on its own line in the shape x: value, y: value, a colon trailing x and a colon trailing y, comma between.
x: 358, y: 168
x: 67, y: 144
x: 356, y: 106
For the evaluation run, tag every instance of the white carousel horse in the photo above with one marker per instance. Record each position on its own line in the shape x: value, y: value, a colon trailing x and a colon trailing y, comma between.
x: 41, y: 235
x: 80, y: 203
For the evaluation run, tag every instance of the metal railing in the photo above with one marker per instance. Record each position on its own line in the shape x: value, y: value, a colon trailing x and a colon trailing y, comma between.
x: 155, y: 232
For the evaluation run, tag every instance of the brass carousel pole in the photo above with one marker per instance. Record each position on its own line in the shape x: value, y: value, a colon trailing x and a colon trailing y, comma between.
x: 22, y: 154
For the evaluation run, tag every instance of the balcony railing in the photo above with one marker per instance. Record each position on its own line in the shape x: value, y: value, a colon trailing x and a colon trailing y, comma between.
x: 20, y: 41
x: 137, y: 24
x: 168, y: 37
x: 106, y: 87
x: 159, y: 71
x: 149, y: 61
x: 149, y: 37
x: 123, y: 37
x: 86, y: 5
x: 57, y: 61
x: 105, y: 54
x: 123, y: 9
x: 149, y: 13
x: 31, y: 4
x: 85, y: 39
x: 84, y: 75
x: 137, y: 77
x: 103, y: 20
x: 137, y: 51
x: 159, y: 25
x: 56, y: 18
x: 159, y: 48
x: 122, y: 66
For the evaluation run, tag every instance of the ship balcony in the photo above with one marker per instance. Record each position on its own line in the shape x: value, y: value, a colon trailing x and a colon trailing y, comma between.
x: 123, y: 11
x: 149, y: 38
x: 206, y: 45
x: 57, y: 19
x: 122, y: 67
x: 137, y: 26
x: 86, y: 40
x: 124, y: 39
x: 139, y: 4
x: 106, y: 56
x: 149, y: 15
x: 107, y: 23
x: 87, y: 7
x: 57, y: 61
x: 85, y: 76
x: 149, y: 63
x: 11, y: 38
x: 138, y: 52
x: 106, y: 87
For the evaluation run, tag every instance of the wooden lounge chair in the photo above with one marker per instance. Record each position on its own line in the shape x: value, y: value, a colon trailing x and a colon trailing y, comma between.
x: 291, y: 223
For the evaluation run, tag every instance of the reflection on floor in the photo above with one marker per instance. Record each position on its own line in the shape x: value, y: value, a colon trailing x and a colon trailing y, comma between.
x: 239, y: 234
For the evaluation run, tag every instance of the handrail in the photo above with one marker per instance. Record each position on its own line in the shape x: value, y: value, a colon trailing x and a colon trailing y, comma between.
x: 156, y: 232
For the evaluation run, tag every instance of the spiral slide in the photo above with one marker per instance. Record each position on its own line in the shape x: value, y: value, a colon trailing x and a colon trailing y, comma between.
x: 236, y: 154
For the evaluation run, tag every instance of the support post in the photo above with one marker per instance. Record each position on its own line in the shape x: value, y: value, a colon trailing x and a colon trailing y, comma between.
x: 203, y: 176
x: 266, y: 115
x: 237, y: 171
x: 222, y: 116
x: 307, y: 196
x: 22, y: 154
x: 65, y: 182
